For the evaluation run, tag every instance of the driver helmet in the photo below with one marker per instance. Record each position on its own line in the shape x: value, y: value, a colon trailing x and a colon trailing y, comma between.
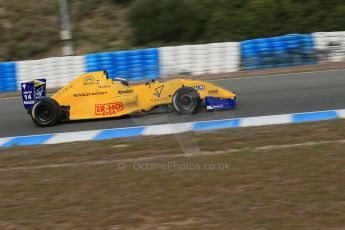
x: 122, y: 80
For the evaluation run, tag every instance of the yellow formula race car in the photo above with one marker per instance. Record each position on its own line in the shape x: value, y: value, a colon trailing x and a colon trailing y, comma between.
x: 94, y: 95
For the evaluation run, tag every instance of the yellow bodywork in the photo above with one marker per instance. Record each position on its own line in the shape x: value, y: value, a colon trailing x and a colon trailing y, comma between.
x: 93, y: 95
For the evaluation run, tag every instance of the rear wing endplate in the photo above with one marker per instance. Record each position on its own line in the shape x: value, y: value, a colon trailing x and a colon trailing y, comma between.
x: 33, y: 90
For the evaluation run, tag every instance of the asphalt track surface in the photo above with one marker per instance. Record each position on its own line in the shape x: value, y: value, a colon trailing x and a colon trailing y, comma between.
x: 257, y: 96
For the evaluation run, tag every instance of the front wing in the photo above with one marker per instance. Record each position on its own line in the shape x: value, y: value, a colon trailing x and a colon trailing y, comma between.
x: 213, y: 103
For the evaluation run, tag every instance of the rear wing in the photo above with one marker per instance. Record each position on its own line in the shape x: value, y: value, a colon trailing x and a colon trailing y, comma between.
x: 33, y: 90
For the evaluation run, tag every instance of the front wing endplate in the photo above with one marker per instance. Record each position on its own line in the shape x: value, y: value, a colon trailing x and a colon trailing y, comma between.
x: 213, y: 103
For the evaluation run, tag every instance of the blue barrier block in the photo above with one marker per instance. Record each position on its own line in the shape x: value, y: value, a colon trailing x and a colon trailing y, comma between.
x: 106, y: 59
x: 2, y: 85
x: 105, y: 54
x: 93, y: 64
x: 276, y: 39
x: 106, y: 62
x: 136, y: 76
x: 135, y: 53
x: 121, y: 73
x: 120, y: 63
x: 136, y: 71
x: 285, y: 38
x: 148, y: 62
x: 250, y: 53
x: 151, y: 57
x: 261, y: 40
x: 91, y: 56
x: 135, y: 58
x: 281, y: 51
x: 251, y: 63
x: 151, y: 68
x: 133, y: 64
x: 8, y: 77
x: 9, y: 71
x: 111, y: 71
x: 106, y: 67
x: 121, y: 67
x: 121, y: 58
x: 247, y: 42
x: 9, y: 65
x: 93, y: 68
x: 250, y: 46
x: 152, y: 51
x: 10, y: 88
x: 122, y: 53
x: 92, y: 60
x: 307, y: 39
x: 152, y: 74
x: 264, y: 47
x: 293, y: 44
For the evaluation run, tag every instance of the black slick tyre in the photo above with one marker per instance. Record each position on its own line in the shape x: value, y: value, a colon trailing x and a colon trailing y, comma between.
x: 46, y: 112
x: 186, y: 101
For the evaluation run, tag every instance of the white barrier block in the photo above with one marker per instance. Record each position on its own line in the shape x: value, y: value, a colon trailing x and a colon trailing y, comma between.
x: 199, y: 59
x: 332, y: 44
x: 53, y: 69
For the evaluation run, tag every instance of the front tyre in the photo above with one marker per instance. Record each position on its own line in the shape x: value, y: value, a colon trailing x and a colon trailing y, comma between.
x: 46, y: 112
x: 186, y: 101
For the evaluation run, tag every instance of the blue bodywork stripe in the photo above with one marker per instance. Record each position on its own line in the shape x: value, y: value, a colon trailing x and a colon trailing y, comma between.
x: 317, y: 116
x: 29, y: 140
x: 206, y: 125
x: 118, y: 133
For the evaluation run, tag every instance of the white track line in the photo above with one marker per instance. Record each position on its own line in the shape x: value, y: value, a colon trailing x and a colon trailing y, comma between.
x: 160, y: 157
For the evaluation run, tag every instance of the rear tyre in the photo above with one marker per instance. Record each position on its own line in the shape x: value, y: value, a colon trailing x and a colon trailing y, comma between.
x: 186, y: 101
x: 46, y: 112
